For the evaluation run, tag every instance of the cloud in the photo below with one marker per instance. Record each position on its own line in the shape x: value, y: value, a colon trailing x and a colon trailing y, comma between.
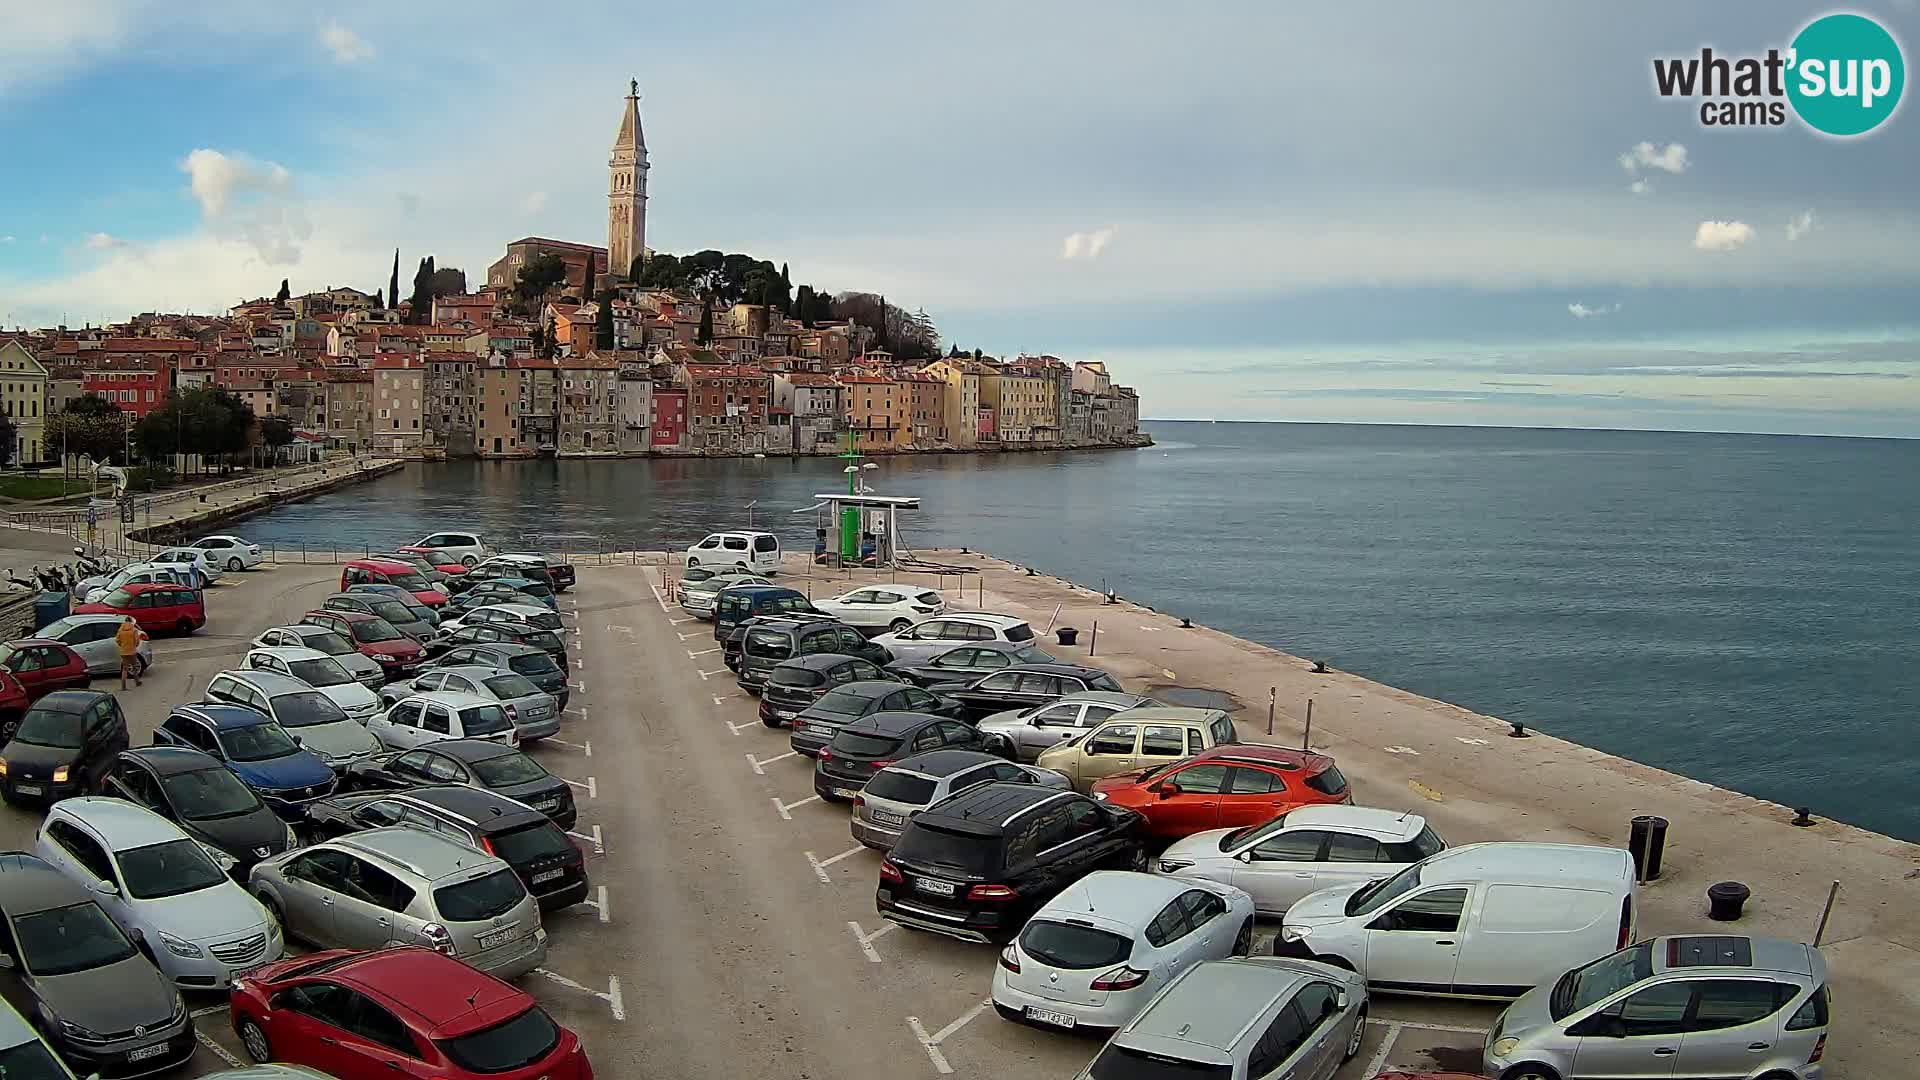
x: 1801, y: 224
x: 6, y: 239
x: 1722, y: 235
x: 1582, y: 311
x: 346, y: 46
x: 1087, y: 245
x: 216, y: 177
x: 535, y: 202
x: 1641, y: 186
x: 103, y: 241
x: 1670, y: 158
x: 249, y: 200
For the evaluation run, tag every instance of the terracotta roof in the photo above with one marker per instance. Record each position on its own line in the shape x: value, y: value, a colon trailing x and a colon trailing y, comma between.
x: 394, y: 362
x: 811, y: 378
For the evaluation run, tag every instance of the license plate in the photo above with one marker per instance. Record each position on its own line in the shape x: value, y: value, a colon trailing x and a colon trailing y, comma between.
x: 933, y: 887
x: 30, y: 789
x: 547, y: 804
x: 845, y: 793
x: 1048, y: 1016
x: 881, y: 817
x: 785, y: 714
x: 548, y: 875
x: 142, y: 1053
x: 498, y: 937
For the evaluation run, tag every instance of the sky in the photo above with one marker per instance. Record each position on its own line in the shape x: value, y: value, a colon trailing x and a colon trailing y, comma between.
x: 1467, y: 214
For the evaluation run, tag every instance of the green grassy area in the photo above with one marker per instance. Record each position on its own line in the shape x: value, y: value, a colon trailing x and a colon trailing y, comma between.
x: 27, y: 486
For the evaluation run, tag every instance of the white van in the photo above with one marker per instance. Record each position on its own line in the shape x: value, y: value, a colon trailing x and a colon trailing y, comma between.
x: 1484, y: 920
x: 747, y: 552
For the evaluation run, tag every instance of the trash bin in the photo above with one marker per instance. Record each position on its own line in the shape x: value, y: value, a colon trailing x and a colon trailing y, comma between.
x: 1647, y: 840
x: 1066, y: 635
x: 1725, y: 899
x: 50, y: 607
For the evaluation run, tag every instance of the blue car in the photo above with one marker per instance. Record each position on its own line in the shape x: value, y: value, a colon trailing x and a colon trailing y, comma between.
x: 257, y: 749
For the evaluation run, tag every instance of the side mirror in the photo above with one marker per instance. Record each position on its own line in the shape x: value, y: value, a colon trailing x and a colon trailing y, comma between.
x: 105, y: 888
x: 1245, y: 856
x: 1166, y: 789
x: 6, y: 962
x: 298, y: 741
x: 1339, y: 999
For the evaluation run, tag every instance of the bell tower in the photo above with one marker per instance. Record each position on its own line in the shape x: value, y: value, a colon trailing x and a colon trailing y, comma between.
x: 627, y: 190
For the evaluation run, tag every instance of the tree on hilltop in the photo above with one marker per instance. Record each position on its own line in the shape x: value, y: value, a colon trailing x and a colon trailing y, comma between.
x: 285, y: 293
x: 393, y: 283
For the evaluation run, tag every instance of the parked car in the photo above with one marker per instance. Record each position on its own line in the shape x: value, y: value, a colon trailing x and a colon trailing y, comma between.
x: 978, y: 865
x: 310, y: 716
x: 42, y: 665
x: 1095, y: 954
x: 1024, y: 686
x: 888, y: 607
x: 697, y: 598
x: 13, y: 705
x: 548, y: 863
x: 525, y: 660
x: 420, y: 611
x: 419, y: 563
x: 405, y: 886
x: 197, y: 792
x: 1484, y: 920
x: 491, y: 593
x: 1137, y: 739
x: 511, y: 571
x: 1228, y: 786
x: 517, y: 633
x: 898, y: 791
x: 366, y: 670
x: 230, y: 551
x: 398, y: 615
x: 457, y: 1022
x: 323, y: 673
x: 465, y: 546
x: 376, y: 639
x: 924, y: 640
x: 558, y: 572
x: 1243, y: 1019
x: 688, y: 576
x: 733, y: 646
x: 535, y: 616
x: 1024, y: 733
x: 506, y: 583
x: 859, y: 749
x: 737, y: 603
x: 251, y: 744
x: 442, y: 560
x: 92, y: 637
x: 768, y: 642
x: 384, y: 572
x: 98, y: 1002
x: 208, y: 570
x: 189, y: 918
x: 158, y: 609
x: 1710, y: 1005
x: 62, y: 746
x: 793, y: 686
x: 440, y: 716
x: 814, y: 727
x: 534, y: 712
x: 966, y: 663
x: 1302, y: 851
x: 499, y: 769
x: 95, y: 589
x: 750, y: 552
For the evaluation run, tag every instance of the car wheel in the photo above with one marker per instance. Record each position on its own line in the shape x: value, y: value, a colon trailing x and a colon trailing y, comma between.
x: 692, y: 562
x: 740, y: 567
x: 468, y: 561
x: 139, y: 667
x: 233, y: 564
x: 898, y: 625
x: 254, y: 1039
x: 1531, y: 1070
x: 1359, y: 1035
x: 1243, y: 942
x: 185, y: 626
x: 8, y: 726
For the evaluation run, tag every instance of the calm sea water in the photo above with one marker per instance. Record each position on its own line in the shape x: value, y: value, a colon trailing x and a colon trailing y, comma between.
x: 1740, y: 609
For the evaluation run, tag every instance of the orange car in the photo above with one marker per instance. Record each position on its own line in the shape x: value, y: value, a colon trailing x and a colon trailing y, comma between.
x: 1225, y: 788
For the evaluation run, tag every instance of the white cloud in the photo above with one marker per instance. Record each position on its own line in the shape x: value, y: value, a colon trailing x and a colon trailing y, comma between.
x: 103, y: 241
x: 1722, y: 235
x: 1645, y: 155
x: 216, y: 177
x: 346, y: 46
x: 249, y: 200
x: 1801, y: 224
x: 1641, y: 186
x: 535, y: 202
x: 1086, y: 244
x: 1582, y: 311
x: 6, y: 239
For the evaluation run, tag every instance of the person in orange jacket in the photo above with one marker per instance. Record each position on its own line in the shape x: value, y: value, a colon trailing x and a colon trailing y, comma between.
x: 128, y: 639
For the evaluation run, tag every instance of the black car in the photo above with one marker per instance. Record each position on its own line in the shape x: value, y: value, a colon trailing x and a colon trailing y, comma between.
x: 977, y: 865
x: 64, y: 746
x: 738, y: 603
x: 794, y: 685
x: 1024, y: 685
x: 874, y: 742
x: 528, y: 661
x: 559, y: 571
x: 548, y: 863
x: 815, y: 725
x: 512, y: 633
x: 470, y: 762
x: 197, y: 792
x: 478, y: 574
x: 966, y: 663
x: 733, y: 646
x: 770, y: 641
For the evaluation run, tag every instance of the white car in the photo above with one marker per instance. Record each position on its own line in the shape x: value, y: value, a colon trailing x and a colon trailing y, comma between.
x: 191, y: 556
x: 1094, y: 955
x: 1303, y: 850
x: 465, y: 546
x: 323, y: 673
x: 895, y: 607
x: 95, y: 589
x: 747, y: 552
x: 440, y: 715
x: 925, y: 640
x: 537, y: 616
x: 165, y: 889
x: 232, y: 552
x: 323, y: 640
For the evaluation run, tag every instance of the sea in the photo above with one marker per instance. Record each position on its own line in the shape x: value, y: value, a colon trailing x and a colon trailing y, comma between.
x: 1741, y: 609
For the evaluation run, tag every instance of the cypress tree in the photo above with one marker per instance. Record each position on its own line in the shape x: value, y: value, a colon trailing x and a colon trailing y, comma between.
x: 284, y: 293
x: 393, y: 283
x: 586, y: 292
x: 706, y: 321
x: 603, y: 324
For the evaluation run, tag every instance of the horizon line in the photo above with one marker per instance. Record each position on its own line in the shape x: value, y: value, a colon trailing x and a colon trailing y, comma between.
x: 1533, y: 427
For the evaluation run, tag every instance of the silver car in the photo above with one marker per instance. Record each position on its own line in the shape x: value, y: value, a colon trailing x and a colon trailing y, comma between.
x: 1026, y: 732
x: 1244, y: 1019
x: 928, y: 638
x: 912, y: 784
x: 321, y: 639
x: 1707, y: 1005
x: 535, y: 713
x: 698, y: 598
x: 310, y: 716
x: 92, y: 637
x: 405, y: 886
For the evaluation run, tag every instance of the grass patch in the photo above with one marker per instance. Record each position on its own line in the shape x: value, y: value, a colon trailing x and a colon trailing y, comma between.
x: 29, y: 486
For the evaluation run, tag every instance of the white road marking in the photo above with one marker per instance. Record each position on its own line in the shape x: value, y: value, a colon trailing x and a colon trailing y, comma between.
x: 691, y: 655
x: 820, y: 866
x: 711, y: 674
x: 578, y: 687
x: 219, y: 1051
x: 866, y: 941
x: 1469, y: 742
x: 211, y: 1009
x: 599, y: 843
x: 759, y: 767
x: 584, y: 747
x: 722, y: 699
x: 738, y: 728
x: 581, y: 664
x: 1424, y: 1026
x: 580, y: 712
x: 611, y: 997
x: 677, y: 622
x: 599, y: 905
x: 1379, y: 1060
x: 627, y: 630
x: 695, y: 634
x: 932, y: 1042
x: 661, y: 599
x: 1401, y: 750
x: 590, y: 787
x: 782, y: 808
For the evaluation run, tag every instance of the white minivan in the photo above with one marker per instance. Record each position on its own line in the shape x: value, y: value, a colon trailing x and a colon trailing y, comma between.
x: 1484, y: 920
x: 747, y: 552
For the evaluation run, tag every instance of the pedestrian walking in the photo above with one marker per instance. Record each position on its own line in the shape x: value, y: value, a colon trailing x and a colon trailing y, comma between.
x: 128, y: 638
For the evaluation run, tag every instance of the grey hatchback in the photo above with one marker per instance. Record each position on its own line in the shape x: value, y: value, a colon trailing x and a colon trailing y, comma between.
x: 814, y: 727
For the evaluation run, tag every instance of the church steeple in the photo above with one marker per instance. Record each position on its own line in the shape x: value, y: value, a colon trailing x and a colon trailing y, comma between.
x: 627, y: 189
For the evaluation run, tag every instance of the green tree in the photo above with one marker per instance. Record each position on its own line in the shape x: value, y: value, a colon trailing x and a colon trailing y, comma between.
x: 276, y: 433
x: 706, y: 322
x: 540, y: 273
x: 393, y: 283
x: 284, y: 293
x: 89, y: 425
x: 587, y: 285
x: 8, y: 438
x: 803, y: 305
x: 447, y: 281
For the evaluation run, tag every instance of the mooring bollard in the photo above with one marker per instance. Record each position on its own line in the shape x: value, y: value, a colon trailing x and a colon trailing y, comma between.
x: 1067, y: 635
x: 1519, y: 730
x: 1725, y: 900
x: 1095, y: 639
x: 1647, y: 842
x: 1803, y: 816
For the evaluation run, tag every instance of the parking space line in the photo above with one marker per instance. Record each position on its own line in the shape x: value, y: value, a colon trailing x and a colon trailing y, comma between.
x: 578, y: 687
x: 1422, y: 1025
x: 659, y: 598
x: 820, y: 867
x: 722, y: 699
x: 711, y: 674
x: 627, y: 630
x: 591, y: 787
x: 611, y: 997
x: 759, y: 767
x: 677, y: 622
x: 580, y: 712
x: 209, y: 1011
x: 738, y: 728
x: 219, y: 1051
x: 584, y: 747
x: 599, y: 904
x: 581, y: 664
x: 782, y: 808
x: 866, y: 940
x: 1379, y: 1060
x: 695, y: 634
x: 594, y: 838
x: 932, y: 1042
x: 691, y: 655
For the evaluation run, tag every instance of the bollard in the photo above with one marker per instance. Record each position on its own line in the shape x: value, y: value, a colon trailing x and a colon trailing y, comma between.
x: 1725, y: 899
x: 1803, y: 816
x: 1519, y: 730
x: 1067, y: 635
x: 1319, y: 667
x: 1186, y: 623
x: 1095, y: 639
x: 1647, y: 841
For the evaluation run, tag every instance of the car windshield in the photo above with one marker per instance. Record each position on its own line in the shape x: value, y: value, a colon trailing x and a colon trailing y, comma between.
x: 1372, y: 897
x: 504, y: 1047
x: 1118, y: 1062
x: 540, y: 840
x: 484, y: 720
x: 794, y: 675
x: 1020, y: 632
x: 1073, y: 945
x: 534, y: 588
x: 480, y: 898
x: 329, y: 643
x: 1252, y: 833
x: 978, y: 855
x: 896, y: 786
x: 542, y: 639
x: 409, y: 580
x: 1032, y: 655
x: 533, y: 664
x: 508, y: 769
x: 169, y: 869
x: 119, y: 598
x: 695, y: 574
x: 842, y: 703
x: 61, y: 941
x: 369, y: 631
x: 858, y: 745
x: 1103, y: 681
x: 305, y: 709
x: 257, y: 742
x: 31, y: 1060
x: 7, y: 651
x: 544, y: 620
x: 45, y: 727
x: 324, y: 672
x: 439, y: 558
x: 508, y: 687
x: 1589, y: 985
x: 209, y: 794
x: 393, y: 611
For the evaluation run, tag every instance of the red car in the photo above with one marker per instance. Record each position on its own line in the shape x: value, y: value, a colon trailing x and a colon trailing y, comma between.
x: 403, y: 1012
x: 388, y: 572
x: 1225, y: 788
x: 42, y: 666
x: 374, y: 637
x: 158, y: 608
x: 13, y: 705
x: 438, y: 559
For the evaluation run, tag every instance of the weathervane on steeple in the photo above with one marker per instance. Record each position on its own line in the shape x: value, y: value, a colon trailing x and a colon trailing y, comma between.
x: 633, y: 88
